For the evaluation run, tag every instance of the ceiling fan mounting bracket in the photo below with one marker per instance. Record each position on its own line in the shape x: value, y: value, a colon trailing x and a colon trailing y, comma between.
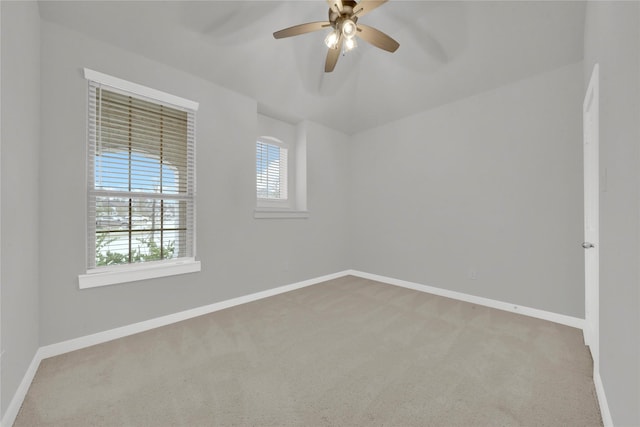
x: 347, y: 12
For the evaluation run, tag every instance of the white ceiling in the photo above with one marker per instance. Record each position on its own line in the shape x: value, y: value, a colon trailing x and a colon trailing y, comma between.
x: 449, y: 50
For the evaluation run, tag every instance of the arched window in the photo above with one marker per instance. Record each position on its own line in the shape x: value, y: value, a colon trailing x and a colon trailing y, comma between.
x: 281, y: 169
x: 271, y: 169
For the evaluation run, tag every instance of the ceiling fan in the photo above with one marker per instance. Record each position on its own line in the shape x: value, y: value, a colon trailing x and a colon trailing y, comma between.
x: 343, y: 18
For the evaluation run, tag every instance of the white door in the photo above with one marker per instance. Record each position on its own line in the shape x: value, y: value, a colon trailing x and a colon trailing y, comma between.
x: 591, y: 243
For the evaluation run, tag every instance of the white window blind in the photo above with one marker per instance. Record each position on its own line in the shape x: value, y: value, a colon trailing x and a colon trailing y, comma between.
x: 141, y: 179
x: 271, y: 171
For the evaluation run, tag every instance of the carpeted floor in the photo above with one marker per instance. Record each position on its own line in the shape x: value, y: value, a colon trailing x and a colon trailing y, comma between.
x: 348, y: 352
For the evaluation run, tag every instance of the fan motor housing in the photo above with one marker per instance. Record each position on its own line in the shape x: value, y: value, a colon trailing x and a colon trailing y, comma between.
x: 347, y: 11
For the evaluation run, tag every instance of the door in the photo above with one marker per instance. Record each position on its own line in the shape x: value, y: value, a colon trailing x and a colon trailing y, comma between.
x: 591, y: 242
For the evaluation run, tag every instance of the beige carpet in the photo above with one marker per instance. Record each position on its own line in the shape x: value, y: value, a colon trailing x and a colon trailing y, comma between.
x: 343, y: 353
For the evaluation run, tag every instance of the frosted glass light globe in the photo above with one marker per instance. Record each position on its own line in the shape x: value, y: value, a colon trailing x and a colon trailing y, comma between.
x: 349, y: 28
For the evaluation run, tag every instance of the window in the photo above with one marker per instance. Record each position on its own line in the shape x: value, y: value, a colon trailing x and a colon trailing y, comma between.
x: 281, y: 169
x: 271, y: 171
x: 141, y: 184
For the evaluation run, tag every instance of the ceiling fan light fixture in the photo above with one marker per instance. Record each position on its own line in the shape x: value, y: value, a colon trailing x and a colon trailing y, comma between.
x: 332, y: 40
x: 343, y: 29
x: 350, y: 44
x: 349, y: 29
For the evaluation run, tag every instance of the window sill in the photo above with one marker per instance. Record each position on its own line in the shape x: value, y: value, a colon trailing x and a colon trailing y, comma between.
x: 131, y: 273
x: 266, y: 213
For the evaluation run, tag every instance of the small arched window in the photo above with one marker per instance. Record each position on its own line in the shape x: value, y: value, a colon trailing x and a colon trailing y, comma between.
x: 281, y: 169
x: 272, y: 170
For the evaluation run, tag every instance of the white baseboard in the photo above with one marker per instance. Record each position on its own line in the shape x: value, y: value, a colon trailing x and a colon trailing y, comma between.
x: 16, y: 402
x: 112, y: 334
x: 514, y: 308
x: 109, y: 335
x: 607, y: 421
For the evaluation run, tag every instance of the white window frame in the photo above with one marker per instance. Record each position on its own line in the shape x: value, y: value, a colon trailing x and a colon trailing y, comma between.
x: 283, y: 173
x: 102, y: 276
x: 294, y: 139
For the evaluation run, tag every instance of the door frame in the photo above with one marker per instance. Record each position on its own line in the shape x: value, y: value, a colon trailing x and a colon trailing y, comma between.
x: 590, y: 111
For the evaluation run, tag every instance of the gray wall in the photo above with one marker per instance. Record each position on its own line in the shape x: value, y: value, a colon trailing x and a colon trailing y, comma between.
x: 490, y: 185
x: 20, y: 149
x: 612, y: 39
x: 239, y: 254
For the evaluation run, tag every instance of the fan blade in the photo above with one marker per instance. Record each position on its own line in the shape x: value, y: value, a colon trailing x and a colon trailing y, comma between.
x: 335, y: 5
x: 377, y: 38
x: 296, y: 30
x: 366, y: 6
x: 332, y: 57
